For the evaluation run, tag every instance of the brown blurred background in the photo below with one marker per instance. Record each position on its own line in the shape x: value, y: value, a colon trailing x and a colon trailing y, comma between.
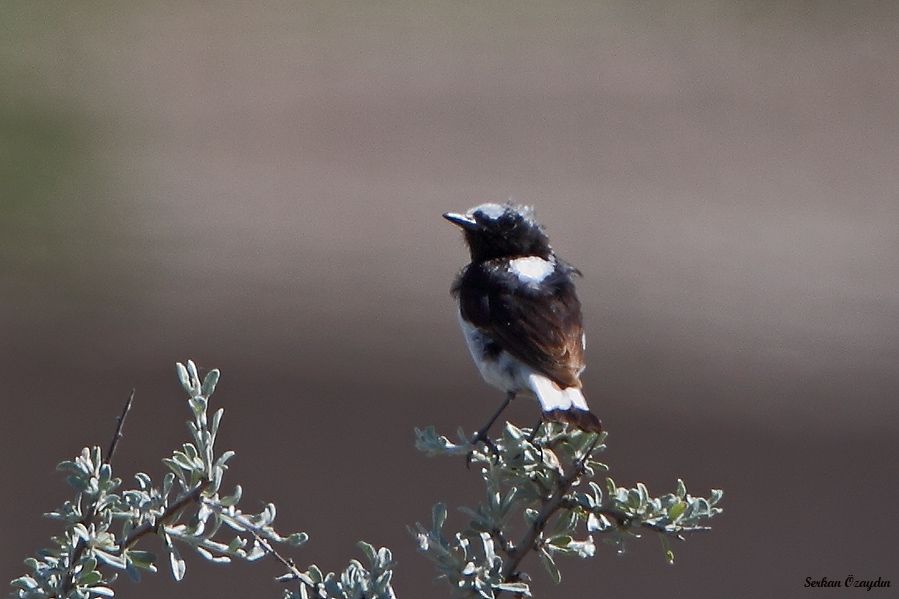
x: 259, y: 187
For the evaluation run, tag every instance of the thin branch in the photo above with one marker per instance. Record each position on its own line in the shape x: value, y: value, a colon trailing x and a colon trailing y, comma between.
x: 287, y: 562
x: 168, y: 514
x: 552, y: 505
x: 91, y: 511
x: 120, y: 423
x: 265, y: 543
x: 625, y: 521
x: 500, y: 537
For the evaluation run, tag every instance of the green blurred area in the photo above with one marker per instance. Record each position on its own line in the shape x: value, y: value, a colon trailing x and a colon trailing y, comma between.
x: 50, y: 188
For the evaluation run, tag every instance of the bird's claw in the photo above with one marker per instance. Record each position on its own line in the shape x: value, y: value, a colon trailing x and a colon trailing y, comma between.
x: 481, y: 437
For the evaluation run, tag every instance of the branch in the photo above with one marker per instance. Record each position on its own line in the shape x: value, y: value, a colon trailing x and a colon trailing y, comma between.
x: 80, y: 547
x: 120, y: 424
x: 168, y: 514
x: 265, y: 543
x: 624, y: 520
x: 552, y: 505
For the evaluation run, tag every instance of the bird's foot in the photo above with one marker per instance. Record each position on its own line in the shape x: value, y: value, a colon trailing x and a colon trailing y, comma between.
x: 534, y: 430
x: 481, y: 437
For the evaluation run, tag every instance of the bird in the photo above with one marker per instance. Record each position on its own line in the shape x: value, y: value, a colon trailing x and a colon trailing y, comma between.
x: 520, y: 314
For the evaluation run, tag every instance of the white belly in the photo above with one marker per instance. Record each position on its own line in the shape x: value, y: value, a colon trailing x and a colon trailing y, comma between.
x: 504, y: 372
x: 510, y: 374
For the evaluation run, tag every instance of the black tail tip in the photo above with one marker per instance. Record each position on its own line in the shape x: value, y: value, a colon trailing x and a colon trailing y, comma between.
x: 583, y: 419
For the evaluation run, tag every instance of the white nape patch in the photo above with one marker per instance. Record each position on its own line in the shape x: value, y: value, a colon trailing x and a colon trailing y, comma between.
x: 532, y: 269
x: 491, y: 211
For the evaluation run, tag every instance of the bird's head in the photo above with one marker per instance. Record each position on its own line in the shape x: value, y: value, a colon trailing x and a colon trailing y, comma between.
x: 502, y: 231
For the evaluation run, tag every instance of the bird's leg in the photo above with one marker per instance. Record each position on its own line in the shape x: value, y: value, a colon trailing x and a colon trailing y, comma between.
x: 481, y: 435
x: 535, y: 430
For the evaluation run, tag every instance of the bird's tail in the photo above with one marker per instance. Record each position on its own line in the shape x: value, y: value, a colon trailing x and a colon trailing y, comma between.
x: 564, y: 405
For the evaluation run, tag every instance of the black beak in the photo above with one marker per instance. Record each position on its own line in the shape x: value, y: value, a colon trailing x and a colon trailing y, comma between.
x: 466, y: 222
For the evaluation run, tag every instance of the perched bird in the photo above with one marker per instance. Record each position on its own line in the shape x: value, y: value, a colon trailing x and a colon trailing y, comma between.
x: 520, y: 313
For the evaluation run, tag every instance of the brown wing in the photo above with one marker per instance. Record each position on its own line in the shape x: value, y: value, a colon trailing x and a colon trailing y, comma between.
x: 540, y: 326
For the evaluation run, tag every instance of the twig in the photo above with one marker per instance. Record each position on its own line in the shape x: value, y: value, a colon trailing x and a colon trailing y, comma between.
x: 120, y: 423
x: 91, y: 511
x: 172, y: 510
x: 266, y: 545
x: 623, y: 520
x: 552, y: 505
x: 504, y: 544
x: 285, y: 561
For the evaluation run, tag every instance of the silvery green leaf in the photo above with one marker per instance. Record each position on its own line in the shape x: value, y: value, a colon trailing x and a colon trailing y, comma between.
x: 715, y: 496
x: 232, y: 499
x: 483, y: 589
x: 489, y: 549
x: 598, y: 523
x: 144, y: 560
x: 681, y: 491
x: 332, y: 587
x: 438, y: 517
x: 132, y: 572
x: 110, y: 560
x: 549, y: 563
x: 315, y: 575
x: 216, y: 559
x: 89, y: 578
x: 81, y: 532
x: 101, y: 592
x: 182, y: 461
x: 88, y: 564
x: 518, y: 588
x: 583, y: 549
x: 183, y: 377
x: 300, y: 538
x: 369, y: 551
x: 190, y: 452
x: 551, y: 460
x: 633, y: 499
x: 215, y: 484
x: 611, y: 488
x: 676, y: 510
x: 256, y: 552
x: 179, y: 567
x: 198, y: 405
x: 566, y: 522
x: 26, y: 583
x: 513, y: 432
x: 223, y: 459
x: 194, y: 376
x: 174, y: 467
x: 385, y: 558
x: 266, y: 516
x: 210, y: 381
x: 77, y: 482
x: 644, y: 495
x: 216, y: 421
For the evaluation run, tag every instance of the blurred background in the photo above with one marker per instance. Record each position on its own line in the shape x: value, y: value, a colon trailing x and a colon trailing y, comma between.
x: 259, y: 187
